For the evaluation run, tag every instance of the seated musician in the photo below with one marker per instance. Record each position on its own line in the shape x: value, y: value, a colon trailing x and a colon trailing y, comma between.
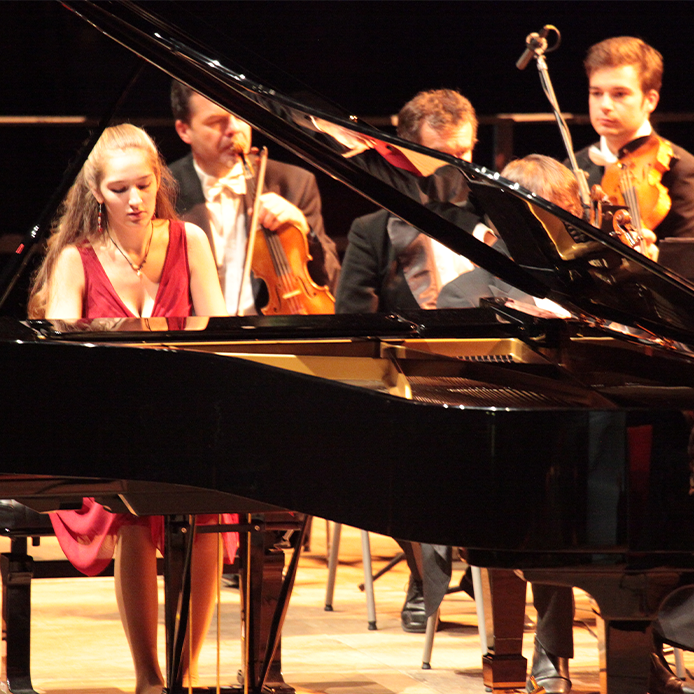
x: 118, y: 251
x: 625, y: 75
x: 390, y: 266
x: 214, y: 195
x: 555, y: 607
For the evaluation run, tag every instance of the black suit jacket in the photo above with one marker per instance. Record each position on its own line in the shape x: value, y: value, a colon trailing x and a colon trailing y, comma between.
x: 373, y: 278
x: 293, y: 183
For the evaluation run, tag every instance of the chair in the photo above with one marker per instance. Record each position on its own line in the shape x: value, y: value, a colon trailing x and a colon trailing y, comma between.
x: 369, y: 577
x: 433, y: 621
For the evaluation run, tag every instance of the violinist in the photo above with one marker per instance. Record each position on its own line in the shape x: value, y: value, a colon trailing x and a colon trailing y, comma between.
x: 625, y: 77
x: 215, y: 192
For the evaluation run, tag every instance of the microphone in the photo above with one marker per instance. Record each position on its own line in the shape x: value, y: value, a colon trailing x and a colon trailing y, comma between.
x: 532, y: 43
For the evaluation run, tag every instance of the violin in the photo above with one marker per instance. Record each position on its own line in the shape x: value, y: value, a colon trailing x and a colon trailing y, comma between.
x: 280, y: 258
x: 634, y: 183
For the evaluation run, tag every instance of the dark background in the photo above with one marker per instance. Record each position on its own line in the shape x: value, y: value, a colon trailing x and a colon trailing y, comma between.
x: 367, y: 57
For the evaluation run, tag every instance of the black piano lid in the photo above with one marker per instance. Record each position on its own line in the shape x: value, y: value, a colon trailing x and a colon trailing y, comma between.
x: 596, y: 277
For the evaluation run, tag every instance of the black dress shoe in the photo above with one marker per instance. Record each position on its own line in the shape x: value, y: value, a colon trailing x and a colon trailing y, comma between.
x: 466, y: 584
x: 413, y: 617
x: 550, y: 672
x: 231, y: 581
x: 661, y: 679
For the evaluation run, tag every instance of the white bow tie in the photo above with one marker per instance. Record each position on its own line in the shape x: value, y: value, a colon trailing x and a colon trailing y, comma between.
x: 234, y: 182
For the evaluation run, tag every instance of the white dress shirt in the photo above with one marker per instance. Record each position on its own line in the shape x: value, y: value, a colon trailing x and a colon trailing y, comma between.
x: 224, y: 201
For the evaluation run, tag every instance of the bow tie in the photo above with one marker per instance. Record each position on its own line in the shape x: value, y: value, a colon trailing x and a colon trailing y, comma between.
x: 233, y: 182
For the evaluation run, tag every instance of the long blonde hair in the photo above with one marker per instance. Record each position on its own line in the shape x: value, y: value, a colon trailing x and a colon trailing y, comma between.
x: 77, y: 221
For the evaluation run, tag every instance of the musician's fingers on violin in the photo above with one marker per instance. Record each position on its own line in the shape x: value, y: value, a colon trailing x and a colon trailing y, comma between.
x: 648, y: 236
x: 275, y: 212
x: 648, y: 244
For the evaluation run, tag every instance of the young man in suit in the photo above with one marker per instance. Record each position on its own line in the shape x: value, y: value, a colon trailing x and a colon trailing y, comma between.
x: 625, y: 75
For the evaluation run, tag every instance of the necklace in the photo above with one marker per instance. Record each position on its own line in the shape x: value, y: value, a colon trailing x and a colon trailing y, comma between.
x: 136, y: 268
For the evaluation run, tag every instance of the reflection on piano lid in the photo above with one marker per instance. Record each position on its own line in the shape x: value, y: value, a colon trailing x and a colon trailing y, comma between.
x: 595, y: 276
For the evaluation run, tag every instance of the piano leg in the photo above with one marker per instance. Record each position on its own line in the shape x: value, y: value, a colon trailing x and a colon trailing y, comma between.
x: 265, y: 599
x: 504, y: 666
x: 264, y: 596
x: 628, y: 603
x: 17, y: 569
x: 179, y: 536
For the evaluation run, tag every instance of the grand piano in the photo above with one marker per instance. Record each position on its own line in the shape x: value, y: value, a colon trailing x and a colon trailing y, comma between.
x: 556, y: 447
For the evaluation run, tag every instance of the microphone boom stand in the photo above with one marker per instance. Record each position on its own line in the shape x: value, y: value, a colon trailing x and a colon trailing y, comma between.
x: 539, y: 48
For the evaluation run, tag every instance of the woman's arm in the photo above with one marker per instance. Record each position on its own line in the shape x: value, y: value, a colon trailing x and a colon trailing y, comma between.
x: 204, y: 282
x: 66, y: 286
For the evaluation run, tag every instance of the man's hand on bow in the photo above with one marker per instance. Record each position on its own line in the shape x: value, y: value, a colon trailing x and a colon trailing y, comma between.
x: 275, y: 212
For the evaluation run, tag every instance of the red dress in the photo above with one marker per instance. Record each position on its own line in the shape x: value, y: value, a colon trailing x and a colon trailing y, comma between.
x: 88, y: 536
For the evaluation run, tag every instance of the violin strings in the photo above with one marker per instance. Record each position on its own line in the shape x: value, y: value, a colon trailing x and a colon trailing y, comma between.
x: 628, y: 187
x: 282, y: 270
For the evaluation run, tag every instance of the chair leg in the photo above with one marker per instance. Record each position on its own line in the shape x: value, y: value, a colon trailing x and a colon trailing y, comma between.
x: 332, y: 566
x: 433, y: 621
x: 368, y: 585
x: 432, y: 624
x: 679, y: 664
x: 479, y: 606
x: 368, y: 580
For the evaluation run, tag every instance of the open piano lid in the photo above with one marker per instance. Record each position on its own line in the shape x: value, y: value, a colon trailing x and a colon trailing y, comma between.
x: 555, y: 255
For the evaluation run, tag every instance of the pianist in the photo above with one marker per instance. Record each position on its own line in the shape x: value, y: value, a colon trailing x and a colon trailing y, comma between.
x: 213, y: 195
x: 117, y: 251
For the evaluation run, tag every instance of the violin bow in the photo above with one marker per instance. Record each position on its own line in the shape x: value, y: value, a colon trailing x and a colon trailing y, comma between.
x: 253, y: 228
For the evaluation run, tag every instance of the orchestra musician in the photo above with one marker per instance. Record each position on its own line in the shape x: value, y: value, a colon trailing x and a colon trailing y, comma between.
x: 118, y: 251
x: 549, y: 179
x: 625, y: 76
x: 390, y: 266
x: 214, y: 195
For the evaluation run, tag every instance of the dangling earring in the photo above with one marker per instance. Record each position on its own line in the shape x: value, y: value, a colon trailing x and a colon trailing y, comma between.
x: 101, y: 230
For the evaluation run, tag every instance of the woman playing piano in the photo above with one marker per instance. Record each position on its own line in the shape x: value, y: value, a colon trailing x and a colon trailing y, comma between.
x: 117, y: 251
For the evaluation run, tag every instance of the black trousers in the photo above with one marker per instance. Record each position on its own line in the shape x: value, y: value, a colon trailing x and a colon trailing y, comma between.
x: 555, y: 618
x: 430, y: 564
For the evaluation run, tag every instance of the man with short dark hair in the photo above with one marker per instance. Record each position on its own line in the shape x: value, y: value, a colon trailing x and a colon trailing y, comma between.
x: 625, y: 76
x: 213, y: 195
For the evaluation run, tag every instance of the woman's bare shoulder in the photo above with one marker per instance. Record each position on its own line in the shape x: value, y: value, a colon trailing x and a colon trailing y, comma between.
x: 69, y: 258
x: 194, y: 233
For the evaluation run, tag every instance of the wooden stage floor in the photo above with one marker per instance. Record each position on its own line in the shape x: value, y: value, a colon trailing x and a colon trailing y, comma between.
x: 78, y: 644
